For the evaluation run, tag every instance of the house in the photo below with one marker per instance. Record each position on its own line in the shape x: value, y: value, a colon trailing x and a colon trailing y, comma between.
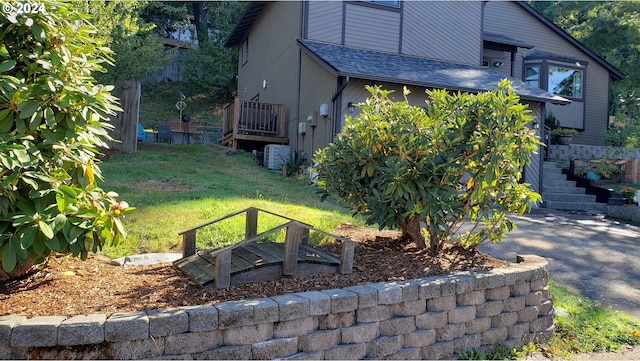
x: 308, y: 62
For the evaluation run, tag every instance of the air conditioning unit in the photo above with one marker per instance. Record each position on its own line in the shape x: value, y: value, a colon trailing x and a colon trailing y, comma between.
x: 276, y: 155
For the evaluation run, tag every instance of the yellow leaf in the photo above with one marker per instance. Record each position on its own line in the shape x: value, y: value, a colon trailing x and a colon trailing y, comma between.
x: 69, y: 273
x: 470, y: 183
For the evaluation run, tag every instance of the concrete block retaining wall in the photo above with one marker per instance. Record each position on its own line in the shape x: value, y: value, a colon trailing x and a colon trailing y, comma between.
x: 588, y: 152
x: 429, y: 318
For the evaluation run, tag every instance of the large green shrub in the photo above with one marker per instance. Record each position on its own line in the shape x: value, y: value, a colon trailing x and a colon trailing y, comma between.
x: 53, y: 118
x: 458, y: 159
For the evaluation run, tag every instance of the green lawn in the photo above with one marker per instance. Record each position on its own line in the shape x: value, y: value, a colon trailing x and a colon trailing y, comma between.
x: 176, y: 187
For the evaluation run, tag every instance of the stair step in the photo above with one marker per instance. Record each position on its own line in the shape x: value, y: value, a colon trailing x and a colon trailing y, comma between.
x: 564, y: 197
x: 565, y: 190
x: 552, y: 171
x: 559, y: 183
x: 576, y: 206
x: 546, y: 165
x: 551, y: 176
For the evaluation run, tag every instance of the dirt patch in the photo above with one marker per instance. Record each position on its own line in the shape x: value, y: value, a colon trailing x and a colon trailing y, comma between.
x: 69, y: 286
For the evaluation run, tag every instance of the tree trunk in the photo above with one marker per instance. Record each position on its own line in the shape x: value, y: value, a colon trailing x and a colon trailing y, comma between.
x: 411, y: 230
x: 18, y: 271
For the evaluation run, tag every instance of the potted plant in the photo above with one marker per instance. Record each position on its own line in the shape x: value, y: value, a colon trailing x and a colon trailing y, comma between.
x: 628, y: 193
x: 563, y: 136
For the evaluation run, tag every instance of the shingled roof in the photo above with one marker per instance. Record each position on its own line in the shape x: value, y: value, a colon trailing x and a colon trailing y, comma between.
x: 412, y: 70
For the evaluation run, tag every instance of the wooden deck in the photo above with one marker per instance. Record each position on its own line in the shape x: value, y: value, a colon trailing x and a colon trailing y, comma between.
x: 257, y: 262
x: 246, y: 120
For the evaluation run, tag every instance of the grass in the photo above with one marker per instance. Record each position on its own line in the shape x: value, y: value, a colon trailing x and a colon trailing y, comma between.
x: 177, y: 187
x: 158, y: 103
x: 584, y: 326
x: 581, y: 326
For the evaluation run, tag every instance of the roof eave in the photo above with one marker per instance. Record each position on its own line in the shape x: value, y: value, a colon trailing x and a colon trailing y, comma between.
x: 243, y: 25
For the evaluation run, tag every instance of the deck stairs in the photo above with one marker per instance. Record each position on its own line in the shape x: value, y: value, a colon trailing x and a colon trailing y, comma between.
x: 562, y: 194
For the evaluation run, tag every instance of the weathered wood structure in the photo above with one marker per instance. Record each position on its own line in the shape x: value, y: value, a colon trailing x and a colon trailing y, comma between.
x: 247, y: 120
x: 253, y: 260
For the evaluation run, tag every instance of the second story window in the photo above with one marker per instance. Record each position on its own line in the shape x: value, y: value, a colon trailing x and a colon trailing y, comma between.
x: 565, y: 81
x: 245, y: 51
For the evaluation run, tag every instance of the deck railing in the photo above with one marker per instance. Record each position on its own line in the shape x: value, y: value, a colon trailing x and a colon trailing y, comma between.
x: 253, y: 118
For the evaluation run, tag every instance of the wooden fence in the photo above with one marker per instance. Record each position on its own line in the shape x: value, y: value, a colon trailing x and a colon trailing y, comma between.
x: 126, y: 122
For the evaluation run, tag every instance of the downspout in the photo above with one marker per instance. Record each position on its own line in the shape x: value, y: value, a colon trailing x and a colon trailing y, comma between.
x: 336, y: 105
x: 299, y: 75
x: 543, y: 130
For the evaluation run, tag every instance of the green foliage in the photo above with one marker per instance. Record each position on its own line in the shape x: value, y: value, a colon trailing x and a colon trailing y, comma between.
x: 564, y: 132
x: 52, y: 120
x: 458, y: 159
x: 212, y: 68
x: 499, y: 352
x: 136, y: 48
x: 584, y: 326
x: 623, y: 132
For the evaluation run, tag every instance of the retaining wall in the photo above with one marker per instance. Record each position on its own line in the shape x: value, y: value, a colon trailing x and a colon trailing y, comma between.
x: 429, y: 318
x: 588, y: 152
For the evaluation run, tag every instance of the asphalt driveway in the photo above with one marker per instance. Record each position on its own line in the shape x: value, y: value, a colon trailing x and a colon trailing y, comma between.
x: 595, y: 256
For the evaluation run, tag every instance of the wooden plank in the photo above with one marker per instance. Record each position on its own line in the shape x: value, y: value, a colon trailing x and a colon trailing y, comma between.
x: 314, y: 255
x: 263, y: 250
x: 251, y: 223
x: 239, y: 264
x: 291, y: 244
x: 247, y: 255
x: 269, y: 273
x: 346, y: 258
x: 223, y: 269
x: 252, y: 239
x: 189, y: 243
x: 214, y: 221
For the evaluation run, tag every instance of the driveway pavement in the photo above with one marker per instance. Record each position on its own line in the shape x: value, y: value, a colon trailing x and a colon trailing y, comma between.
x: 595, y: 256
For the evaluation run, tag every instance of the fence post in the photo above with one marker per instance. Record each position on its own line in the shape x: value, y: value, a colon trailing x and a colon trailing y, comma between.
x: 188, y: 243
x: 291, y: 244
x: 223, y: 269
x: 251, y: 224
x: 346, y: 257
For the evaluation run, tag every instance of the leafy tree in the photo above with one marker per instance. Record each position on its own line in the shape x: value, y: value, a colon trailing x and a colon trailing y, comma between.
x: 212, y: 67
x: 458, y: 159
x: 53, y: 118
x: 612, y: 30
x: 137, y: 49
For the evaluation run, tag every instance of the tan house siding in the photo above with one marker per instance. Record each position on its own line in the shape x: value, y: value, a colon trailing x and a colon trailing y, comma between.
x: 531, y: 30
x: 273, y: 57
x: 372, y: 28
x: 311, y: 97
x: 325, y: 21
x: 430, y: 28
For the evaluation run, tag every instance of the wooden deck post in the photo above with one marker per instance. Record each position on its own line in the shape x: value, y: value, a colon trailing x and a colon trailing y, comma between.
x: 189, y: 243
x: 223, y: 269
x: 251, y: 224
x: 291, y: 244
x: 346, y: 257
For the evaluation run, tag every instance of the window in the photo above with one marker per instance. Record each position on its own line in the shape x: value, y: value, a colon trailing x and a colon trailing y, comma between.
x: 387, y: 2
x: 245, y: 51
x: 565, y: 81
x: 532, y: 75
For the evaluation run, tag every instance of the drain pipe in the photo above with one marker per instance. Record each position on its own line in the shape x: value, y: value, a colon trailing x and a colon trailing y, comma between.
x: 336, y: 105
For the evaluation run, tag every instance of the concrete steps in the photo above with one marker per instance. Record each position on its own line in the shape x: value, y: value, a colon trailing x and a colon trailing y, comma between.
x: 559, y: 193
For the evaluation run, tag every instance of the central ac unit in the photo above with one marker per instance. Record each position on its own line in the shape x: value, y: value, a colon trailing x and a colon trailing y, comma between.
x: 276, y: 155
